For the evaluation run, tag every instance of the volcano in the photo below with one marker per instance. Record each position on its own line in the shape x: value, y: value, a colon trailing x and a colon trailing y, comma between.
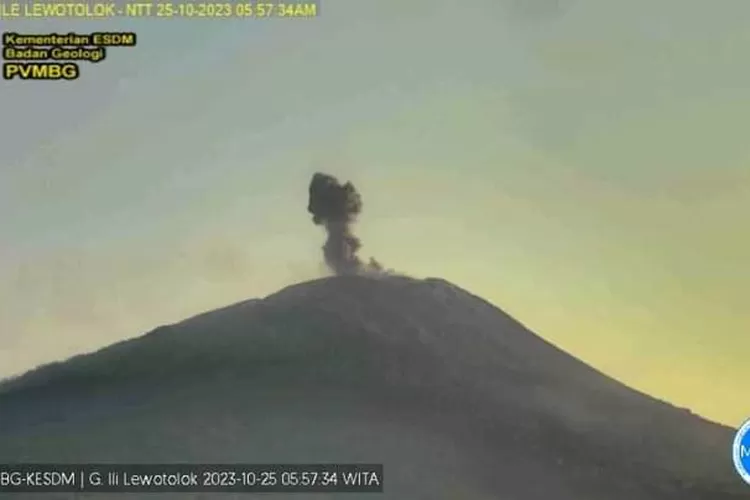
x: 454, y: 397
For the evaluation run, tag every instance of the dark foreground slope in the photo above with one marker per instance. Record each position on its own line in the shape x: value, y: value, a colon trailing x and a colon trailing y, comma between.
x: 457, y: 399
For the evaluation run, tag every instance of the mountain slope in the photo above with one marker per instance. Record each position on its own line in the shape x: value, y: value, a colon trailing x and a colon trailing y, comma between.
x: 456, y: 398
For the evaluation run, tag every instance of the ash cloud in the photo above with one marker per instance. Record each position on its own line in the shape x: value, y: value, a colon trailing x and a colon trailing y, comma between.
x: 335, y: 206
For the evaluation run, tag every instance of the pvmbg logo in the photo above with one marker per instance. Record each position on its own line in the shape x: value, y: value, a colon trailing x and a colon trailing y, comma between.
x: 741, y: 451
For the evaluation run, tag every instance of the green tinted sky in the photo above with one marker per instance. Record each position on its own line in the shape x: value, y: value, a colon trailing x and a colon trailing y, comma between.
x: 582, y: 163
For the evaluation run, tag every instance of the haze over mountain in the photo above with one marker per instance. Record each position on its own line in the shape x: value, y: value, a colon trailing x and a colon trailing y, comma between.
x: 457, y: 399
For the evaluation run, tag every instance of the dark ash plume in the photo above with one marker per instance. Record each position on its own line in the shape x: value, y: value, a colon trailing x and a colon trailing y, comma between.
x: 336, y: 206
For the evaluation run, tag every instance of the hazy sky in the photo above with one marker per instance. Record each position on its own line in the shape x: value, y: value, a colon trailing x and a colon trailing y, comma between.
x: 583, y: 164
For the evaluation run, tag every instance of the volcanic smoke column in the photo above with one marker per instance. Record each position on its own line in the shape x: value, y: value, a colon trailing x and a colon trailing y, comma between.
x: 336, y: 206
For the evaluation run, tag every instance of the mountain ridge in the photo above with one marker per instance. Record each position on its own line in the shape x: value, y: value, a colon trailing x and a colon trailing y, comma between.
x: 418, y: 347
